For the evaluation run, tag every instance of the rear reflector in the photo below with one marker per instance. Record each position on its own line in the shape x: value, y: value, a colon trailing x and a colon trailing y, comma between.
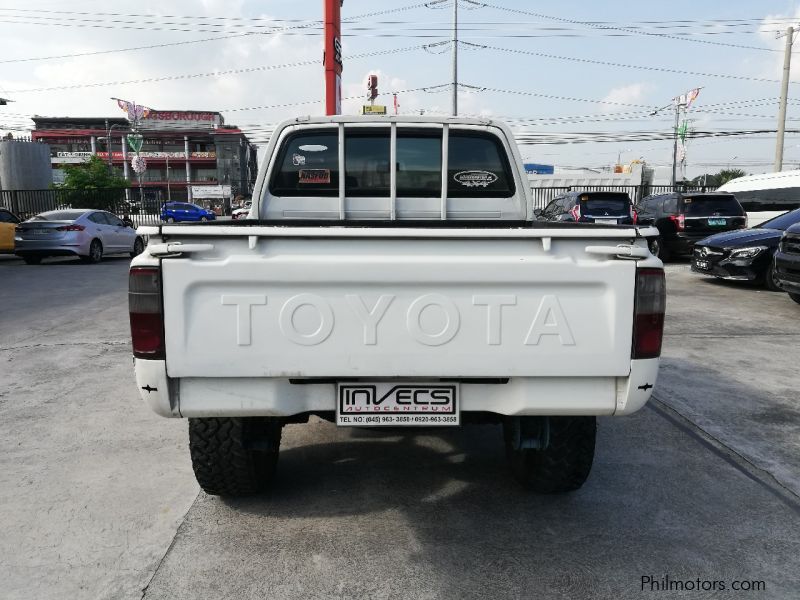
x: 146, y: 314
x: 648, y: 313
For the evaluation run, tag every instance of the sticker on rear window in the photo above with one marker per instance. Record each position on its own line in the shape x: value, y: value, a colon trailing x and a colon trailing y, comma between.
x: 314, y: 176
x: 298, y: 160
x: 475, y: 178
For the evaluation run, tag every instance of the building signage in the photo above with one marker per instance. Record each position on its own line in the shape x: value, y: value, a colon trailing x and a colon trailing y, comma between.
x: 537, y: 169
x: 200, y: 192
x: 73, y: 154
x: 374, y: 109
x: 170, y: 119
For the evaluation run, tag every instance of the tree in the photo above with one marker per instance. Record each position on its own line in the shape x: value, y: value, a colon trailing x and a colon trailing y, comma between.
x: 717, y: 179
x: 90, y: 185
x: 92, y: 175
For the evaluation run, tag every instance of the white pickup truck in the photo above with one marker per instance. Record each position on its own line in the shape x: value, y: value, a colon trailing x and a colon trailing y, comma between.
x: 390, y: 273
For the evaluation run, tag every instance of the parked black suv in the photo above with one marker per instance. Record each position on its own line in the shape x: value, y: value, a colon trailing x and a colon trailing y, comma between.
x: 745, y: 254
x: 685, y: 218
x: 610, y: 208
x: 787, y: 263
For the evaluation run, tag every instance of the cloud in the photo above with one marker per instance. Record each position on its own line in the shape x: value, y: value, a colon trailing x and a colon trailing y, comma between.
x: 768, y: 30
x: 627, y: 94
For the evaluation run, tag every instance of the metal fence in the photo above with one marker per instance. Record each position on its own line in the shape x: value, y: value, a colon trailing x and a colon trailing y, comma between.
x: 543, y: 195
x: 27, y: 203
x: 146, y: 210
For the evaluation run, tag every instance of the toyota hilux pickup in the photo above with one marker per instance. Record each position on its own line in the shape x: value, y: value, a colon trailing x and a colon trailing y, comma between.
x: 391, y: 274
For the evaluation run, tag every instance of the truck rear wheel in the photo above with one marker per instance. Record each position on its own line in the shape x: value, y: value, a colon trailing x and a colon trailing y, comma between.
x: 561, y: 456
x: 234, y: 456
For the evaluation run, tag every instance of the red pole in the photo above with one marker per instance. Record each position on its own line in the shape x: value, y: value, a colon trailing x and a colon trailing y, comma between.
x: 333, y: 57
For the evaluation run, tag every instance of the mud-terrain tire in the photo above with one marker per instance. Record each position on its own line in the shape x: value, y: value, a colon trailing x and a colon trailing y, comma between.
x: 234, y: 456
x: 564, y: 464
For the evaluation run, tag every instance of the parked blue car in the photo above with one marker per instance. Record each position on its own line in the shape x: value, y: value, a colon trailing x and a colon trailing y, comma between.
x: 172, y: 212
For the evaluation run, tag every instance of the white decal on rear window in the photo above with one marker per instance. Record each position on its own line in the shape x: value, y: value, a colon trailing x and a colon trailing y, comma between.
x: 298, y: 160
x: 475, y: 178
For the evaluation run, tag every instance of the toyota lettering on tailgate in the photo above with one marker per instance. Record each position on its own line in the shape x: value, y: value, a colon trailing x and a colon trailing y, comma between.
x: 548, y: 319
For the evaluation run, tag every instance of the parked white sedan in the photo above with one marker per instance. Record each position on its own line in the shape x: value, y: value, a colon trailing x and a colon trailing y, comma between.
x: 86, y: 233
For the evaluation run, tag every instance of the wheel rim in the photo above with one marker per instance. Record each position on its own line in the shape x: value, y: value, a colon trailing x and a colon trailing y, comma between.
x: 96, y: 251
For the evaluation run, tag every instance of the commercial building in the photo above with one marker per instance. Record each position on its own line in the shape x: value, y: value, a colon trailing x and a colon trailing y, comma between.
x: 182, y: 149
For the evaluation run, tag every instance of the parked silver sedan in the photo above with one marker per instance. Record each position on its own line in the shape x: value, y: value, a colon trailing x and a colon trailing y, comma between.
x: 86, y: 233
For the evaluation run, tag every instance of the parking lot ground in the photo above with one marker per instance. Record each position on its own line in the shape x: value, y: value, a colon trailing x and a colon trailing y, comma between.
x: 94, y: 489
x: 374, y: 515
x: 730, y: 365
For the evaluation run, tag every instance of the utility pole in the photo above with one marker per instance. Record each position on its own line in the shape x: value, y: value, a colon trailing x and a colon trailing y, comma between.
x: 455, y: 58
x: 108, y: 149
x: 678, y: 105
x: 787, y: 65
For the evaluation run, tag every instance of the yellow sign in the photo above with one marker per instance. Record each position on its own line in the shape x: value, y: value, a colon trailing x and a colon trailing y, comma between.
x: 373, y: 109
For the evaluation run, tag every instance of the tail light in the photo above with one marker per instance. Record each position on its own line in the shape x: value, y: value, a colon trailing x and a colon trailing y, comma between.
x: 634, y: 216
x: 679, y: 220
x: 648, y: 313
x: 575, y: 211
x: 146, y: 312
x: 70, y: 228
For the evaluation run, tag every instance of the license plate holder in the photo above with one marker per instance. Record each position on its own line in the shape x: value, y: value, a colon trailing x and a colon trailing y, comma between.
x: 606, y: 221
x: 702, y: 265
x: 717, y: 222
x: 392, y: 404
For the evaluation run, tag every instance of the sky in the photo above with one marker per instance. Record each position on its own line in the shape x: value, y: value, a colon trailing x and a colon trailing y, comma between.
x: 558, y: 73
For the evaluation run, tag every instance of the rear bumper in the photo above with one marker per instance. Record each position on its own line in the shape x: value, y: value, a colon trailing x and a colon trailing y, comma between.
x: 64, y: 247
x: 683, y: 243
x: 279, y: 397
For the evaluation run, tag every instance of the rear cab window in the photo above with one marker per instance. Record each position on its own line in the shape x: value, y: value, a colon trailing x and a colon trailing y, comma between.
x: 605, y: 203
x: 304, y: 181
x: 708, y: 205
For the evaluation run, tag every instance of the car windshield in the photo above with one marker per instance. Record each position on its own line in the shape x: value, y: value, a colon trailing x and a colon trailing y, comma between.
x: 781, y: 222
x: 709, y: 206
x: 58, y: 215
x: 605, y: 204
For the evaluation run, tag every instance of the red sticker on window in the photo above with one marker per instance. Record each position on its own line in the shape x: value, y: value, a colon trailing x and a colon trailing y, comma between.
x: 314, y: 176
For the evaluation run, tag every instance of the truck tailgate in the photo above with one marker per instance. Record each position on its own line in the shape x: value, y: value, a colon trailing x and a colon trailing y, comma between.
x: 383, y: 307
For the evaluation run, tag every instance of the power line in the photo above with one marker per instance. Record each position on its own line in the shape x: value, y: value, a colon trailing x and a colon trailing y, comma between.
x: 605, y: 26
x: 218, y: 72
x: 622, y: 65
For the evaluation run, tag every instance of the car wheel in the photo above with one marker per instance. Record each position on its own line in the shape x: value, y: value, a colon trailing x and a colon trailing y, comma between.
x: 170, y: 219
x: 234, y: 456
x: 32, y: 260
x: 770, y: 280
x: 663, y: 252
x: 566, y: 459
x: 795, y: 297
x: 95, y: 252
x: 138, y: 247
